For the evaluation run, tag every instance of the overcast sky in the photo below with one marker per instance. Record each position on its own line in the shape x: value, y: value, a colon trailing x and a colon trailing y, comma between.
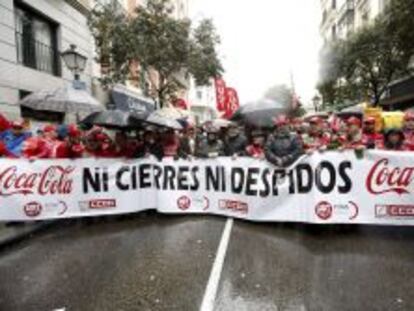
x: 264, y: 40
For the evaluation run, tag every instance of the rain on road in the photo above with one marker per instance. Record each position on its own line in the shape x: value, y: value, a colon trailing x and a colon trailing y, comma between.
x: 156, y: 262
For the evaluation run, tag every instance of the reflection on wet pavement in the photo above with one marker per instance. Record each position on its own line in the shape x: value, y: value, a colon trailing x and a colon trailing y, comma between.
x: 153, y: 263
x: 294, y: 267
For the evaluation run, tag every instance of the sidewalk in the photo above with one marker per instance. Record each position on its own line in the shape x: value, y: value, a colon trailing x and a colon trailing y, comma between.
x: 14, y: 233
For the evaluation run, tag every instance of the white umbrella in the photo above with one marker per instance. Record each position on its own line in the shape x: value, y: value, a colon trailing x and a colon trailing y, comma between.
x: 158, y: 120
x: 66, y: 99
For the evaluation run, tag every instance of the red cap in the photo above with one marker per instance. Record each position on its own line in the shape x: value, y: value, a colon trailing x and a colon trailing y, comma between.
x: 101, y: 136
x: 297, y: 121
x: 369, y: 120
x: 49, y: 128
x: 73, y: 131
x: 18, y: 124
x: 353, y: 121
x: 316, y: 120
x: 409, y: 116
x: 281, y: 120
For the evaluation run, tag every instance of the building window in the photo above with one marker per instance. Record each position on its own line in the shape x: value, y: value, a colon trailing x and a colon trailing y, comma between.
x: 334, y: 32
x: 199, y: 95
x: 334, y: 4
x: 36, y: 41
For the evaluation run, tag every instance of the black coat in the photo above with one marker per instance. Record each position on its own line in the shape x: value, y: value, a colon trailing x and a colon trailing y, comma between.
x: 235, y: 145
x: 284, y: 149
x: 208, y: 149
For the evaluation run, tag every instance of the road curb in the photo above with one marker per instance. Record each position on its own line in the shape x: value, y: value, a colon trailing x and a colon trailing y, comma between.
x: 20, y: 235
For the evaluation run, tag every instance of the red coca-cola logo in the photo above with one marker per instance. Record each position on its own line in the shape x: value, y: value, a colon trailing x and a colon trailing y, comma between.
x: 385, y: 179
x: 324, y: 210
x: 55, y: 179
x: 32, y: 209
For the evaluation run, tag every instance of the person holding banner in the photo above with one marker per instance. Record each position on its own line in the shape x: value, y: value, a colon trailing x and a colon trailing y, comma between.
x: 394, y: 140
x: 71, y: 147
x: 257, y: 143
x: 150, y: 146
x: 409, y: 130
x: 188, y: 142
x: 211, y: 146
x: 318, y: 138
x: 170, y: 144
x: 370, y: 137
x: 14, y: 138
x: 234, y: 142
x: 354, y: 135
x: 283, y: 147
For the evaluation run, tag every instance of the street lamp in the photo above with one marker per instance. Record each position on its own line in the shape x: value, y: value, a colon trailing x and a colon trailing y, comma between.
x: 316, y: 102
x: 75, y: 61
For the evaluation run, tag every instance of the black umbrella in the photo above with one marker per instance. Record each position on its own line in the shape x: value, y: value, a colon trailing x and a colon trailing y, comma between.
x: 115, y: 119
x: 259, y: 114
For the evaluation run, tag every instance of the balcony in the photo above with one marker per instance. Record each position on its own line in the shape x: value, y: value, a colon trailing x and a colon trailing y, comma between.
x: 37, y: 55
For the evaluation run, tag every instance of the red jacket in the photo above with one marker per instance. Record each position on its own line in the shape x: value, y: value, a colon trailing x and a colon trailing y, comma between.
x: 315, y: 142
x: 409, y: 140
x: 171, y: 147
x: 40, y: 148
x: 255, y: 151
x: 373, y: 140
x: 66, y: 151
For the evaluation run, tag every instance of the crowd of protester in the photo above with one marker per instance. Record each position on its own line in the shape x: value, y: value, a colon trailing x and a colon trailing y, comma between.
x: 282, y: 145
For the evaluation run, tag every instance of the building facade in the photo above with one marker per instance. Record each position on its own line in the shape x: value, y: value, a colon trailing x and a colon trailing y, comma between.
x: 203, y: 101
x: 33, y: 34
x: 342, y: 17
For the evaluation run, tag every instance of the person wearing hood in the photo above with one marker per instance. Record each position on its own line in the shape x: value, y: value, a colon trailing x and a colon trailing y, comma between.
x: 394, y: 140
x: 257, y: 144
x: 408, y: 130
x: 234, y: 142
x: 211, y: 146
x: 283, y: 147
x: 14, y: 138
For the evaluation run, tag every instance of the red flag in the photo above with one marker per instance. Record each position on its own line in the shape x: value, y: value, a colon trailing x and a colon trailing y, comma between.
x: 232, y: 102
x: 220, y: 94
x: 180, y: 103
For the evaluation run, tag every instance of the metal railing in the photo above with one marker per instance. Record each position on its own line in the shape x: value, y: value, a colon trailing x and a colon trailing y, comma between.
x: 37, y: 55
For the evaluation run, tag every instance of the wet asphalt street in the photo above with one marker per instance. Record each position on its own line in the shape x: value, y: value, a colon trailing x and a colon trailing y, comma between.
x: 157, y: 262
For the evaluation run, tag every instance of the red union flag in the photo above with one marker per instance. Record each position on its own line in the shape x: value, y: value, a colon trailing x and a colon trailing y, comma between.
x: 232, y: 102
x: 220, y: 94
x: 180, y: 103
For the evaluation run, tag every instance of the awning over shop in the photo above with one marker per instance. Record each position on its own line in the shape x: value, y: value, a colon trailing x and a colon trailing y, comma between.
x: 127, y: 100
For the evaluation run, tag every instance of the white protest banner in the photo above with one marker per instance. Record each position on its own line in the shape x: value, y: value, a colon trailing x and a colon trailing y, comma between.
x: 329, y: 187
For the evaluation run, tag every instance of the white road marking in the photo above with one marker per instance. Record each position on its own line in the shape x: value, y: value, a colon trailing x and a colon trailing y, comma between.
x: 214, y: 279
